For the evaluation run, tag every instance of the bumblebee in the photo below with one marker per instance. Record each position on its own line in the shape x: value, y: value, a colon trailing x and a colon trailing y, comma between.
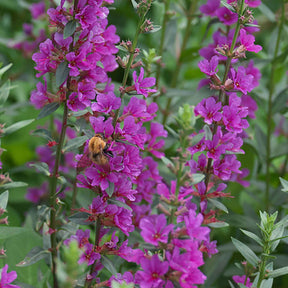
x: 98, y: 150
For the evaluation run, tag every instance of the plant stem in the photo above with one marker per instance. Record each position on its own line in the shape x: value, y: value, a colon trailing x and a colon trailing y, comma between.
x: 97, y: 240
x: 53, y: 196
x: 269, y: 112
x: 226, y: 100
x: 179, y: 62
x: 128, y: 66
x: 161, y: 47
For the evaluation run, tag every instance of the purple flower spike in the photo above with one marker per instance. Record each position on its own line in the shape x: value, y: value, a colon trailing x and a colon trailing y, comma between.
x: 210, y: 7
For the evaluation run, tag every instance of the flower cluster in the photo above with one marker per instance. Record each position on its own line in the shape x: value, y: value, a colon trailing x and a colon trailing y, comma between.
x: 7, y: 278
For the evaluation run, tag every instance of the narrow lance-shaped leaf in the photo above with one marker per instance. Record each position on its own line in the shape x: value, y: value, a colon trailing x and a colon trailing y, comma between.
x: 246, y: 252
x: 44, y: 133
x: 75, y: 143
x: 69, y: 29
x: 108, y: 264
x: 62, y: 73
x: 4, y: 92
x: 36, y: 254
x: 252, y: 236
x: 48, y: 109
x: 16, y: 184
x: 4, y: 69
x: 4, y: 199
x: 278, y: 272
x: 16, y: 126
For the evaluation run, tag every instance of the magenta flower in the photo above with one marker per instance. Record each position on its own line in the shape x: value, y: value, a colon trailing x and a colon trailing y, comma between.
x: 247, y: 41
x: 210, y: 7
x: 153, y: 270
x: 37, y: 9
x: 141, y: 85
x: 82, y: 238
x: 226, y: 16
x: 106, y: 102
x: 89, y: 256
x: 243, y: 280
x: 209, y: 67
x: 7, y: 278
x: 242, y: 81
x: 154, y: 229
x: 208, y: 109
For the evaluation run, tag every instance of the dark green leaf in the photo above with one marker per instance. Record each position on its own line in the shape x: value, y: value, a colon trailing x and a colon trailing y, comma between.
x: 231, y: 285
x: 119, y: 204
x: 252, y: 236
x: 172, y: 131
x: 4, y: 92
x: 48, y: 109
x: 110, y: 189
x: 108, y: 264
x: 218, y: 205
x: 63, y: 183
x: 197, y: 178
x: 62, y: 73
x: 13, y: 185
x: 278, y: 272
x: 228, y: 6
x: 246, y: 252
x: 4, y: 199
x: 16, y: 126
x: 74, y: 143
x: 35, y: 255
x: 42, y: 167
x: 4, y: 69
x: 44, y: 133
x: 80, y: 218
x: 279, y: 103
x: 190, y: 54
x: 69, y: 29
x: 43, y: 214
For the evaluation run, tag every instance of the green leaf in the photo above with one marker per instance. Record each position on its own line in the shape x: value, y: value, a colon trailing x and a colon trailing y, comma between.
x: 48, y: 109
x: 208, y: 133
x: 284, y: 184
x: 75, y: 143
x: 44, y: 133
x: 197, y: 178
x: 278, y: 272
x: 42, y: 167
x: 279, y: 103
x: 156, y: 28
x: 13, y: 185
x: 197, y: 138
x: 4, y: 69
x: 80, y: 218
x: 172, y: 131
x: 4, y: 199
x: 218, y: 205
x: 108, y: 264
x: 267, y: 12
x: 167, y: 162
x: 246, y: 252
x: 62, y: 73
x: 63, y: 183
x: 7, y: 232
x: 4, y: 92
x: 16, y: 126
x: 231, y: 284
x: 228, y: 6
x: 110, y: 189
x: 252, y: 236
x: 218, y: 224
x: 35, y: 255
x: 119, y: 204
x: 69, y: 29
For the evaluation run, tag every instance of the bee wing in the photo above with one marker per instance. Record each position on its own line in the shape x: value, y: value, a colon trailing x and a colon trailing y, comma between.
x: 84, y: 162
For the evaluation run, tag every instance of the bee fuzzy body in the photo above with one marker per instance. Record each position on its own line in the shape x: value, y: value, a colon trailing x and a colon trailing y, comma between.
x: 98, y: 150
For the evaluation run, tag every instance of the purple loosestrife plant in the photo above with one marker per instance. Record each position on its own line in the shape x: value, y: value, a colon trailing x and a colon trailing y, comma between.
x: 7, y: 278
